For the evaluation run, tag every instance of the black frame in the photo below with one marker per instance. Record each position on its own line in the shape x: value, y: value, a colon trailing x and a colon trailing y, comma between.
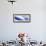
x: 22, y: 21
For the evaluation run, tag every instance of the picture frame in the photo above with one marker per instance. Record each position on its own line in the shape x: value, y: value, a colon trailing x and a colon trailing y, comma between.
x: 21, y: 18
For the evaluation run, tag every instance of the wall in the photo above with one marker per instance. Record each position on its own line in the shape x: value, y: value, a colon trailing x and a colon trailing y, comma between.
x: 37, y: 27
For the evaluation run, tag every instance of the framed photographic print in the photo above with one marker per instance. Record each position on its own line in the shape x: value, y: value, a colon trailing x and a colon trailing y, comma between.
x: 21, y: 18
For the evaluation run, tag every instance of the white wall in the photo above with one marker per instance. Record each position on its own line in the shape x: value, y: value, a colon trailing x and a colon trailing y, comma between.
x: 37, y: 27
